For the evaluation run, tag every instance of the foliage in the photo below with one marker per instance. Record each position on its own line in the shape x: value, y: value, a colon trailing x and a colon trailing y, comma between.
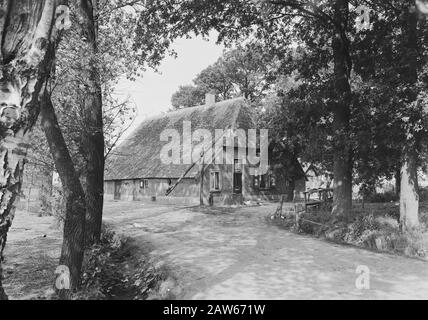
x: 114, y: 269
x: 385, y: 59
x: 376, y: 227
x: 382, y: 197
x: 188, y: 96
x: 246, y: 70
x: 70, y: 88
x: 249, y: 70
x: 114, y: 60
x: 215, y: 78
x: 315, y: 42
x: 58, y: 204
x: 101, y: 273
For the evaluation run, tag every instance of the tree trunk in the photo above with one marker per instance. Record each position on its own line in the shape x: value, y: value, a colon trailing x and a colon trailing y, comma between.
x: 74, y: 225
x: 45, y: 193
x: 398, y: 181
x: 342, y: 167
x: 201, y: 185
x: 94, y: 136
x: 12, y: 153
x: 409, y: 195
x: 28, y: 35
x: 290, y: 190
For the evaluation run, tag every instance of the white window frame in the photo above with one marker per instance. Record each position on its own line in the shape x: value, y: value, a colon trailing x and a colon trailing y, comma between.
x: 144, y: 184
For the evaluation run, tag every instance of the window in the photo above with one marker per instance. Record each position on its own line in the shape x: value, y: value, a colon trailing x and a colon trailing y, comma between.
x: 215, y: 182
x: 272, y: 179
x: 144, y: 184
x: 256, y: 181
x: 265, y: 181
x: 238, y: 165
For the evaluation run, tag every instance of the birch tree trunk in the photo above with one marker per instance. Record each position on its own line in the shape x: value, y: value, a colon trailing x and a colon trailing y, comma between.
x: 45, y: 192
x: 409, y: 195
x: 398, y: 181
x: 342, y: 167
x: 93, y: 140
x: 28, y: 33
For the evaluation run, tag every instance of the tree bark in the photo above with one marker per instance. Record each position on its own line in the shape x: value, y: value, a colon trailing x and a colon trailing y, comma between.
x: 398, y: 181
x: 12, y: 159
x: 45, y: 192
x: 342, y: 167
x: 28, y: 35
x: 409, y: 195
x: 290, y: 190
x: 74, y: 225
x: 94, y: 136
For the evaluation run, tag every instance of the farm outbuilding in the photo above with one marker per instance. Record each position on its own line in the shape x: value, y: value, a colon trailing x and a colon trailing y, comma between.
x: 136, y: 172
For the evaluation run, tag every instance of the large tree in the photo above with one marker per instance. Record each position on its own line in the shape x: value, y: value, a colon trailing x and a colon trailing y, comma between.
x: 95, y: 55
x: 29, y: 31
x: 188, y: 96
x: 75, y: 205
x: 250, y: 69
x: 246, y: 70
x: 325, y: 24
x: 93, y: 138
x: 393, y: 54
x: 215, y: 78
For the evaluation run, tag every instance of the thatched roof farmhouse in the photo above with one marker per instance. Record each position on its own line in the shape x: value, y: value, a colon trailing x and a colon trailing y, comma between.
x: 135, y: 171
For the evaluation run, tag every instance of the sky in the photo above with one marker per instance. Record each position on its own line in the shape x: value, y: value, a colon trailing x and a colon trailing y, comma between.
x: 152, y: 93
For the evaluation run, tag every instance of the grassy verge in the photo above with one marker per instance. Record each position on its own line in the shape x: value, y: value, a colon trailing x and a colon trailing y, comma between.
x: 375, y: 227
x: 116, y: 269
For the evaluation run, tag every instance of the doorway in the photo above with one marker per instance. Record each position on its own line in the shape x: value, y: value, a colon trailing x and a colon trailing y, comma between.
x: 237, y: 177
x: 117, y: 187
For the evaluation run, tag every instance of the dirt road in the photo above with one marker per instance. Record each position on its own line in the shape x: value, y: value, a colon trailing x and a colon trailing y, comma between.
x: 235, y: 254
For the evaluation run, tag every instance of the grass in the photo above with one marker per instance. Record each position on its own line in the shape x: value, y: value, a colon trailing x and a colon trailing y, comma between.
x: 376, y: 226
x: 31, y: 276
x: 217, y: 210
x: 116, y: 269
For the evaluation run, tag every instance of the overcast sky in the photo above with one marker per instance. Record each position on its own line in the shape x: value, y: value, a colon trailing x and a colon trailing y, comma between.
x: 152, y: 93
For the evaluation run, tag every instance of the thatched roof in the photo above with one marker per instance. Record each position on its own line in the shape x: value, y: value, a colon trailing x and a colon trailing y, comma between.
x: 139, y: 156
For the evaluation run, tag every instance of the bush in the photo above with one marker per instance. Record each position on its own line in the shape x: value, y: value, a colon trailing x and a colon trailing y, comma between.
x: 321, y: 218
x: 101, y: 277
x: 112, y: 271
x: 58, y: 204
x: 381, y: 197
x: 423, y: 194
x: 379, y: 230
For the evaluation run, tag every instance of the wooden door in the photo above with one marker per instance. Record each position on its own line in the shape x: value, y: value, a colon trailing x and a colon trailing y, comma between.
x: 237, y: 177
x: 117, y: 187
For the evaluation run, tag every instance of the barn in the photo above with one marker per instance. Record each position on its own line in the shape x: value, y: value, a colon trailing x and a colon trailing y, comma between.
x: 135, y: 170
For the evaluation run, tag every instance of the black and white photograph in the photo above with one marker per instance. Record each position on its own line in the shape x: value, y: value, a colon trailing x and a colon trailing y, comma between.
x: 213, y: 157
